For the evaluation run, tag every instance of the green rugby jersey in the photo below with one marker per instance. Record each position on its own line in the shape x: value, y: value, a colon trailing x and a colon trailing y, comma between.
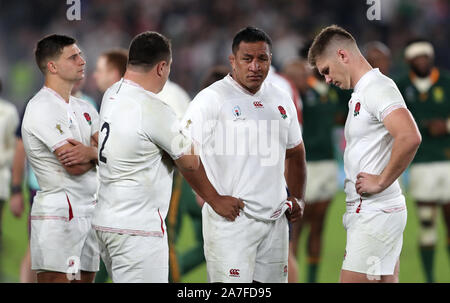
x: 432, y: 104
x: 319, y: 116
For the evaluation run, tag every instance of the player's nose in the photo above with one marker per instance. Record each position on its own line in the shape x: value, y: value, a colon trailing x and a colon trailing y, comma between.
x: 328, y: 79
x: 82, y: 61
x: 254, y: 65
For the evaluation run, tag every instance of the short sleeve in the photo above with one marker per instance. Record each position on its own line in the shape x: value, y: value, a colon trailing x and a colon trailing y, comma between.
x: 295, y: 134
x: 162, y: 127
x: 199, y: 119
x: 382, y: 99
x: 51, y: 127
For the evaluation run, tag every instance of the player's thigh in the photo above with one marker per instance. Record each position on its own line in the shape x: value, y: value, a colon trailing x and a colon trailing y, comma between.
x: 348, y: 276
x: 136, y: 259
x: 272, y: 255
x: 374, y: 242
x: 51, y: 277
x: 85, y: 277
x: 392, y: 278
x: 56, y: 245
x: 90, y: 252
x: 230, y: 246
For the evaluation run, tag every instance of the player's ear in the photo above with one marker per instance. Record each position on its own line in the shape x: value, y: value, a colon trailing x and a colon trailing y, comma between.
x: 342, y: 55
x: 232, y: 60
x: 160, y: 67
x: 51, y: 67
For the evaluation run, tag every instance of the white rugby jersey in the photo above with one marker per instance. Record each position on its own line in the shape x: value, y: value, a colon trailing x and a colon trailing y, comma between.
x: 9, y: 119
x: 138, y: 132
x: 243, y: 139
x: 369, y: 144
x: 176, y: 97
x: 47, y: 124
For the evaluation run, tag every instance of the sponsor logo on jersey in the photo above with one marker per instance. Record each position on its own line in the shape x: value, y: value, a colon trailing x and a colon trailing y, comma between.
x: 58, y: 127
x: 234, y: 272
x: 258, y: 104
x: 285, y: 270
x: 237, y: 111
x: 357, y: 109
x: 88, y: 118
x: 282, y: 112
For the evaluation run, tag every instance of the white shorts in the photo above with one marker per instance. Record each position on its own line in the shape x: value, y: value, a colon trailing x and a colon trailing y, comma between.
x: 322, y: 180
x: 374, y: 241
x: 135, y: 259
x: 60, y: 245
x: 245, y: 250
x: 430, y: 182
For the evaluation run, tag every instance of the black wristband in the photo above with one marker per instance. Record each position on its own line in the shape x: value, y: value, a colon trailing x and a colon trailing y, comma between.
x: 16, y: 189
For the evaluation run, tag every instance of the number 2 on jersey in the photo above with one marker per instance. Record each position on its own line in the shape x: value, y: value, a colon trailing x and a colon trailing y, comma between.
x: 104, y: 126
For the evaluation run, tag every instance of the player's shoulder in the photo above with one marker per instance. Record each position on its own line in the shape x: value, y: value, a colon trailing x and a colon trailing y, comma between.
x: 42, y: 102
x: 152, y: 105
x: 212, y: 94
x: 380, y: 86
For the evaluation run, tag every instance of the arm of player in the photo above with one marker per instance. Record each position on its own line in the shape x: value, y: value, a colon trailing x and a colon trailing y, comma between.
x: 296, y: 180
x: 79, y: 153
x: 226, y: 206
x: 16, y: 201
x: 74, y: 169
x: 407, y: 138
x: 188, y: 162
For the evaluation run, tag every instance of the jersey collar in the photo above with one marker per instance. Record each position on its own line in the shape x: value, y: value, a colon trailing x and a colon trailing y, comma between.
x: 242, y: 89
x: 54, y: 93
x: 134, y: 84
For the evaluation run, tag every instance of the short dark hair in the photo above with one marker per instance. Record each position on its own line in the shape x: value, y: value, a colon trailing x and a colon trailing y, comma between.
x: 250, y: 34
x: 323, y: 39
x: 149, y: 48
x: 50, y: 47
x: 118, y: 58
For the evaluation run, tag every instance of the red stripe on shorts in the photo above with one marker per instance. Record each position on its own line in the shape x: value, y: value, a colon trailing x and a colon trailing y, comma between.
x: 359, y: 206
x: 162, y: 222
x: 70, y: 208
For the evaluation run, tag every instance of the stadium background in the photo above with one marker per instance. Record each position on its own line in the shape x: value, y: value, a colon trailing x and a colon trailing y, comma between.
x: 201, y: 32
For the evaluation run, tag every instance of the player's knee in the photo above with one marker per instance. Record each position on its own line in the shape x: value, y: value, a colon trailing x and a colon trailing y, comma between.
x: 428, y: 232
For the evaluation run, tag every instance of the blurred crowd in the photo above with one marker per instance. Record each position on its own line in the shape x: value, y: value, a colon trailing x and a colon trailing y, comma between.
x: 201, y: 31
